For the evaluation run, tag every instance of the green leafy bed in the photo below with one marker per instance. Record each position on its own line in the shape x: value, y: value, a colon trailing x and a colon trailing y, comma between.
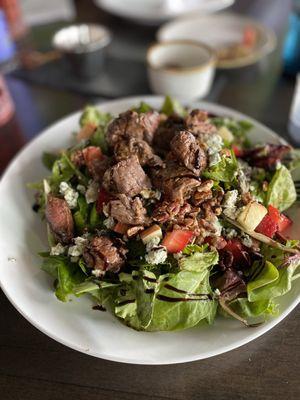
x: 179, y: 293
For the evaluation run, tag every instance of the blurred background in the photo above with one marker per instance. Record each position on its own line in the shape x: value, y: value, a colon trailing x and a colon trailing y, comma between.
x: 56, y: 56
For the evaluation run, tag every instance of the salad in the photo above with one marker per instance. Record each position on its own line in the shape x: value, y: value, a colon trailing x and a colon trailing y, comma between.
x: 167, y: 218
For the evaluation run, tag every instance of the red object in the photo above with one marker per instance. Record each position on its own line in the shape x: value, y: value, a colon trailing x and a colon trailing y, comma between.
x: 7, y: 108
x: 274, y: 213
x: 13, y: 15
x: 273, y: 222
x: 249, y: 38
x: 235, y: 247
x: 268, y: 226
x: 237, y: 151
x: 92, y: 154
x: 103, y: 198
x: 283, y: 223
x: 176, y: 241
x: 121, y: 228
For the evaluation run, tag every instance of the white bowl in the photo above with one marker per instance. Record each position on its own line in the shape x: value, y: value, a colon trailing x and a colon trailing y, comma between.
x: 75, y: 324
x: 154, y: 12
x: 181, y: 68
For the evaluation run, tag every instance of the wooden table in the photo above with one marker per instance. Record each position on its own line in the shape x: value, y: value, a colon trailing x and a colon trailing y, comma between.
x: 34, y: 367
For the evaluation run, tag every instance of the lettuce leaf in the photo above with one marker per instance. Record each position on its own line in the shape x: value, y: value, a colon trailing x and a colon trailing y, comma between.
x: 273, y: 282
x: 224, y: 171
x: 91, y: 115
x: 101, y: 291
x: 142, y: 108
x: 48, y: 159
x: 171, y: 301
x: 281, y: 192
x: 260, y: 308
x: 81, y: 214
x: 172, y: 106
x: 66, y: 273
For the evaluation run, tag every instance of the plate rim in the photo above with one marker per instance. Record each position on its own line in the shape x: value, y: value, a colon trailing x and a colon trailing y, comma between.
x: 139, y: 361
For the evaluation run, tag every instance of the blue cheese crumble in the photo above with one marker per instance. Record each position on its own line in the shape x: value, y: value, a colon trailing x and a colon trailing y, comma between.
x: 57, y: 250
x: 214, y: 144
x: 77, y: 249
x: 91, y: 193
x: 70, y: 195
x: 229, y: 204
x: 155, y: 254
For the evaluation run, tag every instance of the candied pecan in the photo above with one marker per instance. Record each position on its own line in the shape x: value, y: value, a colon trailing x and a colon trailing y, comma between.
x: 246, y: 198
x: 203, y: 192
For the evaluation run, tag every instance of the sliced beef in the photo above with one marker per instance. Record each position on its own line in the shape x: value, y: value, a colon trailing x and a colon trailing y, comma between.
x: 180, y: 189
x: 104, y: 254
x: 165, y: 133
x: 175, y: 181
x: 59, y: 217
x: 132, y: 146
x: 126, y: 177
x: 93, y: 159
x: 131, y: 124
x: 186, y: 149
x: 128, y: 211
x: 198, y: 123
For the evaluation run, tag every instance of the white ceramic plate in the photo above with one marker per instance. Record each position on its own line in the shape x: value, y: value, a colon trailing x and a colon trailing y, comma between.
x: 74, y: 323
x: 154, y: 12
x: 219, y: 31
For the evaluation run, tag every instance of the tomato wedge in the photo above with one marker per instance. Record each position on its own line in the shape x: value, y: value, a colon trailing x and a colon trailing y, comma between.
x: 283, y: 223
x: 237, y: 151
x: 273, y: 222
x: 268, y: 226
x: 176, y: 240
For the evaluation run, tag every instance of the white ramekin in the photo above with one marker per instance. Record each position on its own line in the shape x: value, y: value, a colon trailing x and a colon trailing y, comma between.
x: 181, y: 68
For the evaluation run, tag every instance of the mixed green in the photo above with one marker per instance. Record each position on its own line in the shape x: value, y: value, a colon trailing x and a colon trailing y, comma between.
x: 167, y: 218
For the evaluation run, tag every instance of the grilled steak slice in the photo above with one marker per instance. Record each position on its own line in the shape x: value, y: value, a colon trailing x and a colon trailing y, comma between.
x: 133, y: 146
x: 165, y: 133
x: 126, y: 177
x: 198, y: 123
x: 186, y: 149
x: 175, y: 181
x: 59, y: 217
x: 103, y: 254
x: 131, y: 124
x: 128, y: 211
